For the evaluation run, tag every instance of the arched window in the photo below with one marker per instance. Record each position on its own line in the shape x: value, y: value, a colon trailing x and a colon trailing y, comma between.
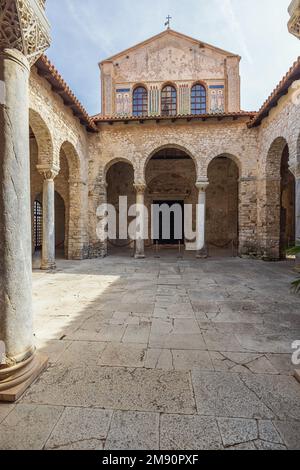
x: 140, y: 101
x: 198, y: 99
x: 169, y: 101
x: 38, y: 224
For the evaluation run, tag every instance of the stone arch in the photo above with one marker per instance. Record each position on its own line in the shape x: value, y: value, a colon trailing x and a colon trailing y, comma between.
x: 274, y: 154
x: 223, y: 205
x: 168, y: 146
x: 230, y: 156
x: 43, y: 138
x: 114, y: 161
x: 73, y: 159
x: 119, y: 181
x: 71, y: 181
x: 170, y: 175
x: 274, y: 213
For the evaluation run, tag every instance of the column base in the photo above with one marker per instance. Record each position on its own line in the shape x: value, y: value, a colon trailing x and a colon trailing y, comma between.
x: 14, y: 381
x: 297, y: 375
x: 202, y: 254
x: 48, y: 267
x: 140, y: 256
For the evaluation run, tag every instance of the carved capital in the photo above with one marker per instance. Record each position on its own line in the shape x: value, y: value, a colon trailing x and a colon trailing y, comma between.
x: 202, y: 185
x: 140, y: 188
x: 24, y: 26
x: 48, y: 172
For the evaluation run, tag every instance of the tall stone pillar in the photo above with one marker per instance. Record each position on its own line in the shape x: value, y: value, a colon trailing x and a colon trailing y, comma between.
x: 202, y: 186
x: 48, y: 246
x: 24, y: 35
x: 140, y: 203
x: 298, y: 211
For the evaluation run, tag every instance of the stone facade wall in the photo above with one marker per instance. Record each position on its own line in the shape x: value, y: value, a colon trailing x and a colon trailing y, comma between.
x: 56, y: 129
x: 280, y: 128
x: 203, y: 142
x: 171, y: 58
x: 256, y: 151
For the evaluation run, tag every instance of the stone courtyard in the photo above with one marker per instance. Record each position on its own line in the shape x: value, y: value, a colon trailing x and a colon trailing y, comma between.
x: 168, y: 353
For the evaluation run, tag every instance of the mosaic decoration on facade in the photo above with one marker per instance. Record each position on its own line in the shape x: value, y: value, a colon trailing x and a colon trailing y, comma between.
x: 217, y: 99
x: 184, y: 99
x: 123, y: 101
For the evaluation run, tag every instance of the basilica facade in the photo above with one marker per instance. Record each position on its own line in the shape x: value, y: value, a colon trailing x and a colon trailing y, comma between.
x: 171, y: 130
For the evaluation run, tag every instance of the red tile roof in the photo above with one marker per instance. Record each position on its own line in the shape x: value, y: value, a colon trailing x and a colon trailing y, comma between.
x: 281, y: 90
x: 111, y: 119
x: 47, y: 70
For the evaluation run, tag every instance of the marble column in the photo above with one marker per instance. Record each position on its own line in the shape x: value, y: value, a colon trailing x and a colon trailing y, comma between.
x: 48, y: 246
x: 140, y: 202
x: 16, y: 329
x: 298, y: 211
x: 23, y: 29
x: 202, y: 186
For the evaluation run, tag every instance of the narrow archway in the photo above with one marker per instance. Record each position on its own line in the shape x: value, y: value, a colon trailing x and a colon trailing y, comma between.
x: 171, y: 183
x: 60, y: 227
x: 280, y: 201
x: 120, y: 183
x: 222, y: 216
x: 287, y: 205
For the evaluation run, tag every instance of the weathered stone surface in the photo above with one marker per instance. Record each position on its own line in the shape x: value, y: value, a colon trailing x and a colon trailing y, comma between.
x: 5, y: 409
x: 237, y: 431
x: 133, y: 431
x: 28, y: 427
x: 123, y: 355
x: 80, y: 429
x: 115, y: 388
x: 290, y: 433
x: 280, y: 393
x: 189, y: 433
x: 226, y: 395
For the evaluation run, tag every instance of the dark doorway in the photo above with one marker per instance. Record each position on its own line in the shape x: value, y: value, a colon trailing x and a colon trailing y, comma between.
x: 168, y: 222
x: 287, y: 205
x: 38, y: 225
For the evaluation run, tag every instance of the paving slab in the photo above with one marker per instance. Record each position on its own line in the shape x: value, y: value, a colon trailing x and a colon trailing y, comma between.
x: 28, y: 427
x: 189, y: 433
x: 133, y: 431
x: 80, y: 429
x: 115, y: 388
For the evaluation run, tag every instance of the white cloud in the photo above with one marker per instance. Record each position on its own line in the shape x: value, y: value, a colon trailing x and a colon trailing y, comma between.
x: 234, y: 25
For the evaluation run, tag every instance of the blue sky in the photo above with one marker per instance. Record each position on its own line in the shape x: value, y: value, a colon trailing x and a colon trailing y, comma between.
x: 86, y: 32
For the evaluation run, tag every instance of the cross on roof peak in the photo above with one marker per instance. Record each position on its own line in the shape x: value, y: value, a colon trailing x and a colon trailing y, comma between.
x: 168, y: 22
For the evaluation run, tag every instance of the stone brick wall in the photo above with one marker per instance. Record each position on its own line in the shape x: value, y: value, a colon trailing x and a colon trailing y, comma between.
x: 57, y: 130
x: 256, y: 151
x: 137, y: 143
x: 280, y: 128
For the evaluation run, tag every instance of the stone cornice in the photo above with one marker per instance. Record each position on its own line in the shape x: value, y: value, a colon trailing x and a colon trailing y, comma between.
x: 24, y: 26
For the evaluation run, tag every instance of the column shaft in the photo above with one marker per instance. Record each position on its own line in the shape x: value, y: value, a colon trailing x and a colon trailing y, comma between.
x: 201, y: 219
x: 298, y: 211
x: 15, y: 214
x: 140, y: 202
x: 48, y: 250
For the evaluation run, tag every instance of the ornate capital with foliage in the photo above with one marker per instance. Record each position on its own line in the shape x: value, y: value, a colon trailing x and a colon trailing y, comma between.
x: 24, y: 26
x: 48, y: 172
